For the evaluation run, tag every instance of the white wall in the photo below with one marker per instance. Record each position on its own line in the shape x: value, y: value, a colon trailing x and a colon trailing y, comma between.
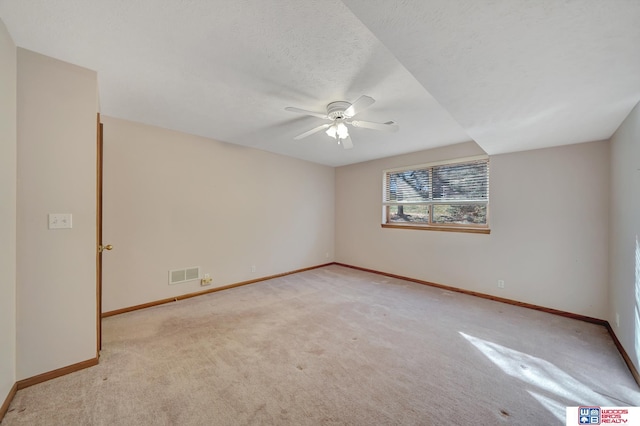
x: 548, y: 219
x: 8, y: 69
x: 624, y: 257
x: 56, y: 290
x: 173, y: 200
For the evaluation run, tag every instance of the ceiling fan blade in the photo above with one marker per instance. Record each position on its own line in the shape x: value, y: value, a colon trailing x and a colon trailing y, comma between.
x: 346, y: 143
x: 312, y: 131
x: 305, y: 112
x: 362, y: 103
x: 389, y: 126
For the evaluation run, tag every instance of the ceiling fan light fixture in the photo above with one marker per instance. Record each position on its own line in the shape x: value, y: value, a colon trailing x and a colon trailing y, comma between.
x: 332, y: 131
x: 342, y: 131
x: 338, y: 131
x: 340, y: 113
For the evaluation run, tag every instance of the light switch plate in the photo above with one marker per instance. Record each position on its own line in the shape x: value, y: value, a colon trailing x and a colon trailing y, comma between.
x: 60, y: 220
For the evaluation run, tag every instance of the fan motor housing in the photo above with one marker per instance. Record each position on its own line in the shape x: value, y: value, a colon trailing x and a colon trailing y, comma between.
x: 335, y: 110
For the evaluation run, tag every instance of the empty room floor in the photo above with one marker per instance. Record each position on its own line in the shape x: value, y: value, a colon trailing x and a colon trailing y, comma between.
x: 336, y: 345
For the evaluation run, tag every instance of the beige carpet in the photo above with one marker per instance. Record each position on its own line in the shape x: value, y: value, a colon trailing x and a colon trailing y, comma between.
x: 335, y: 346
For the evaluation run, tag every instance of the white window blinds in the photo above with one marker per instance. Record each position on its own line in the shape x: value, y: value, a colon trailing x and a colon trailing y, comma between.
x: 444, y: 183
x: 451, y: 194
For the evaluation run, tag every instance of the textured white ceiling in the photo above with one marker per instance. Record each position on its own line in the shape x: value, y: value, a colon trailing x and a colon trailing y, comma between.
x: 511, y: 74
x: 518, y: 74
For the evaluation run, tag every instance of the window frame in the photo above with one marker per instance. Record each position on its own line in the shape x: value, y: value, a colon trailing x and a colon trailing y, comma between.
x: 431, y: 226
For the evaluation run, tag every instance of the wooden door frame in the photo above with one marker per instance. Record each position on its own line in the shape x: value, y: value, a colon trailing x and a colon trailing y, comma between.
x: 99, y: 152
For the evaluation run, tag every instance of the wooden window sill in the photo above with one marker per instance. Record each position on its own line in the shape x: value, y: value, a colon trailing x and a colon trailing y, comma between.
x: 468, y: 230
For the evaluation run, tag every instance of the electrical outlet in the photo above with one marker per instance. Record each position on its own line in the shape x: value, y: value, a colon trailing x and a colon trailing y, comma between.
x: 500, y: 283
x: 206, y: 280
x: 253, y: 268
x: 617, y: 319
x: 326, y: 255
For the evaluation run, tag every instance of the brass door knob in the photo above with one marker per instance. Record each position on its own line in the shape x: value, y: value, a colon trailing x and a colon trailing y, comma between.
x: 107, y: 247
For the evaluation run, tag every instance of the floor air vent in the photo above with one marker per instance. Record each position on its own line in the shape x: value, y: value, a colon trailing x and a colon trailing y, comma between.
x: 177, y: 276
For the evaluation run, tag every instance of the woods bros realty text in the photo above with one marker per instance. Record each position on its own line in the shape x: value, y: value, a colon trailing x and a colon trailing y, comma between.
x: 603, y: 415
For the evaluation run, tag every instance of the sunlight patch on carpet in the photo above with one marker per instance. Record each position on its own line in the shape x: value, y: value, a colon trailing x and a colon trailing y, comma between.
x: 554, y: 407
x: 539, y: 373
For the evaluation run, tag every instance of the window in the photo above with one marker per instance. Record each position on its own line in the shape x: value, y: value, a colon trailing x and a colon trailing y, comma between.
x: 451, y: 196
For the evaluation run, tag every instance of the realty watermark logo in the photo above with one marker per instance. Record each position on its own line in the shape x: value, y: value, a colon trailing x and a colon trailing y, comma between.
x: 589, y: 415
x: 594, y: 415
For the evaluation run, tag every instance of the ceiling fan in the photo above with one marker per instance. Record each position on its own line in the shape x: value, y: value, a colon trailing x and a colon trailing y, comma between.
x: 340, y: 113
